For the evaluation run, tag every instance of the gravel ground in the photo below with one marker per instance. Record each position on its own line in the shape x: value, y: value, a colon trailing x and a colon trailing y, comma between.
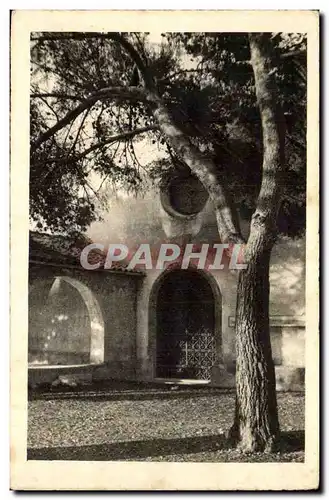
x: 177, y: 427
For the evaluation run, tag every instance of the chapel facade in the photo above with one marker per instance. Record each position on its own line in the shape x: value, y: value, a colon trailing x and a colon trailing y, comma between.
x: 155, y: 325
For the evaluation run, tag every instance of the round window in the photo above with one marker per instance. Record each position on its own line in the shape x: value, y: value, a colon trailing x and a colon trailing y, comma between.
x: 184, y: 195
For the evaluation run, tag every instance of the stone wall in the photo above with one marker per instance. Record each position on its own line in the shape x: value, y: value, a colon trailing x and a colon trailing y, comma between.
x: 111, y: 328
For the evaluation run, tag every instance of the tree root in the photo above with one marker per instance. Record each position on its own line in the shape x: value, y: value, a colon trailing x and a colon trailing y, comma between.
x: 247, y: 441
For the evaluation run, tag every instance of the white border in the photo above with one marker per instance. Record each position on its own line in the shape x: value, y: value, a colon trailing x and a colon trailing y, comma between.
x: 59, y: 473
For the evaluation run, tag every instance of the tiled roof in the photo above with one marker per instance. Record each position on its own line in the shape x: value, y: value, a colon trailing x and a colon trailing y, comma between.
x: 58, y: 249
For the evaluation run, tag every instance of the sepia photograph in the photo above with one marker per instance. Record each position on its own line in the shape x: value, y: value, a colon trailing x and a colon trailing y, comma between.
x: 168, y: 195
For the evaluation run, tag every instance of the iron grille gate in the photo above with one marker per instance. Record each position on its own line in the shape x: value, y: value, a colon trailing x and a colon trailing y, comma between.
x: 187, y: 356
x: 185, y: 342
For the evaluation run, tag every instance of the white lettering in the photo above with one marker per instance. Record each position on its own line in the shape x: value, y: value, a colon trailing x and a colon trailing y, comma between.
x: 84, y: 256
x: 234, y: 258
x: 218, y: 257
x: 142, y: 256
x: 164, y: 257
x: 189, y: 254
x: 111, y: 257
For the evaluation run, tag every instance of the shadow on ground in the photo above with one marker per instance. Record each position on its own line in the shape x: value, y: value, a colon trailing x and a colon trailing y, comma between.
x: 129, y: 393
x: 290, y: 442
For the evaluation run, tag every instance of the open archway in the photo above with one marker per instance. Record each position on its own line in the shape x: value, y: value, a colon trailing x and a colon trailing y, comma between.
x: 66, y: 325
x: 186, y: 324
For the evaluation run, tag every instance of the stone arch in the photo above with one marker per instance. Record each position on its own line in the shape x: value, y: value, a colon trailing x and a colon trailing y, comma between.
x: 45, y: 288
x: 153, y: 312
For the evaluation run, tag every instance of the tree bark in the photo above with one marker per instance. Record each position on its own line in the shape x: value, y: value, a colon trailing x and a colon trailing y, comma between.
x: 205, y: 169
x: 256, y: 425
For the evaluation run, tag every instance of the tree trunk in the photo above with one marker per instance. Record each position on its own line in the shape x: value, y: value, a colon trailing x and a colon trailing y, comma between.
x: 256, y: 426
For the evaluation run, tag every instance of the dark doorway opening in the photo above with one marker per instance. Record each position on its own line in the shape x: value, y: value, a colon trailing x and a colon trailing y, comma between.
x: 186, y: 344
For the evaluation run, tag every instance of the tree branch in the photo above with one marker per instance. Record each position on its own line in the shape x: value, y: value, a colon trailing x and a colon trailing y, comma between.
x: 57, y: 95
x: 71, y: 115
x: 77, y: 35
x: 118, y: 137
x: 127, y: 93
x: 136, y: 58
x: 50, y: 107
x: 114, y: 138
x: 203, y: 167
x: 79, y: 131
x: 295, y: 53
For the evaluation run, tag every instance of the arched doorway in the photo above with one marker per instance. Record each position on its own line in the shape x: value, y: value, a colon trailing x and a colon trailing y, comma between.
x: 188, y: 311
x: 66, y: 325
